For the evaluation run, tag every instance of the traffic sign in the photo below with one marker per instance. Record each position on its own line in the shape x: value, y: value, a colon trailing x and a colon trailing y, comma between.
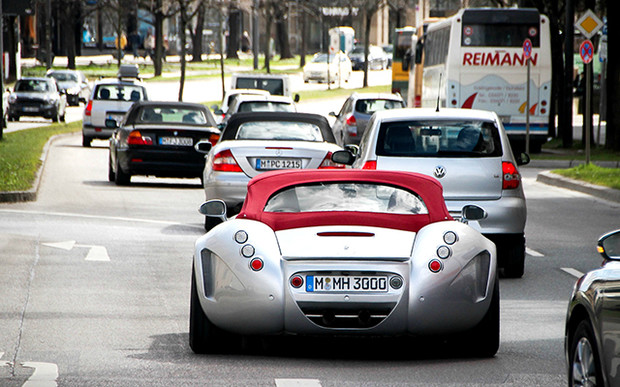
x: 602, y: 49
x: 589, y: 24
x: 527, y: 48
x: 586, y: 50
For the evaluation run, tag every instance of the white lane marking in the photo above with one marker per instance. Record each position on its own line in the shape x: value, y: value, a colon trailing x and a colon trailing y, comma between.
x: 533, y: 253
x: 298, y: 383
x: 3, y: 363
x: 44, y: 375
x: 96, y: 253
x: 573, y: 272
x: 67, y: 214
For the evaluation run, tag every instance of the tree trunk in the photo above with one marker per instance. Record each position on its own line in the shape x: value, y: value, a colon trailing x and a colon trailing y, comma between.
x: 281, y: 17
x: 159, y: 39
x: 268, y: 23
x: 302, y: 54
x: 368, y: 17
x: 197, y: 35
x: 183, y: 60
x: 234, y: 23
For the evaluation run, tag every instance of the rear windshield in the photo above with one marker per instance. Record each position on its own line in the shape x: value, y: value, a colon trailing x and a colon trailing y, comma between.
x: 171, y: 115
x: 64, y: 77
x: 437, y: 138
x: 273, y: 86
x: 279, y: 130
x: 120, y: 93
x: 266, y: 106
x: 33, y: 85
x: 346, y: 196
x: 369, y: 106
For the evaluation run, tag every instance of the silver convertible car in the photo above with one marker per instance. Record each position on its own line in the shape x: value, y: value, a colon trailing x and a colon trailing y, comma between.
x: 344, y: 252
x: 592, y: 325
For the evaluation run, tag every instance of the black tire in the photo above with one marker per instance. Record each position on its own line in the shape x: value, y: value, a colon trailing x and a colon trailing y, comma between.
x: 584, y: 368
x: 111, y: 174
x: 121, y: 178
x: 204, y: 337
x: 483, y: 339
x: 86, y: 141
x: 211, y: 222
x: 55, y: 117
x: 63, y: 117
x: 514, y: 260
x: 13, y: 118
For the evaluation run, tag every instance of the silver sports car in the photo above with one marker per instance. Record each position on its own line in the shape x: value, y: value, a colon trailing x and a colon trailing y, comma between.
x: 344, y: 252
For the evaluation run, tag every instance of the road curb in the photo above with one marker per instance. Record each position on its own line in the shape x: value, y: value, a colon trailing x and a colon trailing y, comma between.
x: 549, y: 178
x: 31, y: 194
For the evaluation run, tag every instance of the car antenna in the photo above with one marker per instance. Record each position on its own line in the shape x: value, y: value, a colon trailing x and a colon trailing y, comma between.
x: 438, y: 93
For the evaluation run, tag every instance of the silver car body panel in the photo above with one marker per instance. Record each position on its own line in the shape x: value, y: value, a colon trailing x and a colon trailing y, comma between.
x: 453, y: 300
x: 232, y: 186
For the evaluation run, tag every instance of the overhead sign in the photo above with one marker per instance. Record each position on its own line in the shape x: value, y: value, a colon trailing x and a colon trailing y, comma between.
x: 527, y: 49
x: 589, y: 24
x: 586, y: 50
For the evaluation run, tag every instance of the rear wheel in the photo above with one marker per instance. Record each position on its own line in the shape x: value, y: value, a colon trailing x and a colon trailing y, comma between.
x: 111, y: 174
x: 86, y: 141
x: 204, y: 337
x: 121, y: 178
x: 483, y: 339
x: 513, y: 256
x: 584, y: 363
x: 211, y: 222
x: 55, y: 117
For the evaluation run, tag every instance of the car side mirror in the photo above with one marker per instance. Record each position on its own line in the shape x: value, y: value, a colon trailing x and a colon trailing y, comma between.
x: 217, y: 110
x: 296, y: 98
x: 419, y: 47
x: 214, y: 208
x: 203, y: 146
x: 472, y: 212
x: 343, y: 157
x: 353, y: 149
x: 111, y: 123
x: 332, y: 114
x: 523, y: 159
x: 609, y: 245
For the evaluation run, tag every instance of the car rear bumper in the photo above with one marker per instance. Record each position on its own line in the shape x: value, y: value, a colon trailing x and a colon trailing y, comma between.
x: 91, y: 131
x: 46, y: 111
x: 160, y: 163
x: 231, y: 187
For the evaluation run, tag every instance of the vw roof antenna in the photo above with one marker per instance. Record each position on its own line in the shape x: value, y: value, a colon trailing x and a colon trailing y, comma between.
x: 438, y: 93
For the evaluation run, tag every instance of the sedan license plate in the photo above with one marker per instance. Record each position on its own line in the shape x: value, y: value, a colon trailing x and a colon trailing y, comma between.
x: 278, y: 164
x: 31, y: 109
x: 181, y: 141
x: 319, y: 283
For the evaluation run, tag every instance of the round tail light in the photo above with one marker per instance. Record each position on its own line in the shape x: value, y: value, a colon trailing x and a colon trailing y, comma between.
x: 297, y: 281
x: 256, y: 264
x: 435, y: 265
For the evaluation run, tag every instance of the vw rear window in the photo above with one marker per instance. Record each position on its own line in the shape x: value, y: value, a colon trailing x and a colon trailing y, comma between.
x: 439, y: 138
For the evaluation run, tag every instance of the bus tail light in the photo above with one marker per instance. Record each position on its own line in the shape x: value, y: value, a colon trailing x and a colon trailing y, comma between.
x: 370, y: 164
x: 224, y: 161
x: 329, y: 164
x: 511, y: 176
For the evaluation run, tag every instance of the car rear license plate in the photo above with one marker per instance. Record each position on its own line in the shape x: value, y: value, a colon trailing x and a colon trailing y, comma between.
x: 181, y: 141
x: 278, y: 164
x: 31, y: 109
x: 319, y: 283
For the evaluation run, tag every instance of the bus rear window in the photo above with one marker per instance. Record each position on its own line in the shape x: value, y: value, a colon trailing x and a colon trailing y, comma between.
x: 499, y: 35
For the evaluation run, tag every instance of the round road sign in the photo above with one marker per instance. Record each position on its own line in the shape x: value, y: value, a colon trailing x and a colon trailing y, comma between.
x: 586, y: 50
x: 527, y: 48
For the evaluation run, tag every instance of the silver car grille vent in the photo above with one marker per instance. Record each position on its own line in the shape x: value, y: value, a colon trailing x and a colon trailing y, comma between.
x: 350, y: 316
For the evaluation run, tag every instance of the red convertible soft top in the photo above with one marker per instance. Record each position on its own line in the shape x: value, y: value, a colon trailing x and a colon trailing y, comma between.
x: 263, y: 186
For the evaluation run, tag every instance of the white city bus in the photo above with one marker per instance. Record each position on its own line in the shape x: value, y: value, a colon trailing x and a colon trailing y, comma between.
x: 475, y: 59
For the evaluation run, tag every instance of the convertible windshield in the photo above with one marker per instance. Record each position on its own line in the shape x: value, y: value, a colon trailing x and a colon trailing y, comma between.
x: 347, y: 196
x: 171, y: 115
x: 439, y: 138
x: 279, y: 130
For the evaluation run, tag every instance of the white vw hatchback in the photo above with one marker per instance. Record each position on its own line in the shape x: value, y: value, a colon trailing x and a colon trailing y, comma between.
x: 468, y: 152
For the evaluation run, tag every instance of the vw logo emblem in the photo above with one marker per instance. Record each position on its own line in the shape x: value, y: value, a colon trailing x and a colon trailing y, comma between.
x: 440, y: 171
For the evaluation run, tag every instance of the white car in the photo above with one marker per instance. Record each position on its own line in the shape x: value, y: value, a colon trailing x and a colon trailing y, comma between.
x: 229, y: 97
x: 468, y: 151
x: 338, y: 69
x: 110, y: 98
x: 256, y: 142
x: 259, y: 103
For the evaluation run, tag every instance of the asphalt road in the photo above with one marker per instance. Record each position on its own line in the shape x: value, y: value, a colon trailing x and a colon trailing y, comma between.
x: 95, y: 291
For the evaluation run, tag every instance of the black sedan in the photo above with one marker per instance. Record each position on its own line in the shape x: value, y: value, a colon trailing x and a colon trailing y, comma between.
x: 158, y: 139
x: 593, y: 321
x: 38, y: 97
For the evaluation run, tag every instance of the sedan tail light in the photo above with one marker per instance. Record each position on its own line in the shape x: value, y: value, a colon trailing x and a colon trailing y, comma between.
x: 89, y: 108
x: 136, y: 138
x: 329, y: 164
x: 511, y: 176
x: 225, y: 161
x: 214, y: 138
